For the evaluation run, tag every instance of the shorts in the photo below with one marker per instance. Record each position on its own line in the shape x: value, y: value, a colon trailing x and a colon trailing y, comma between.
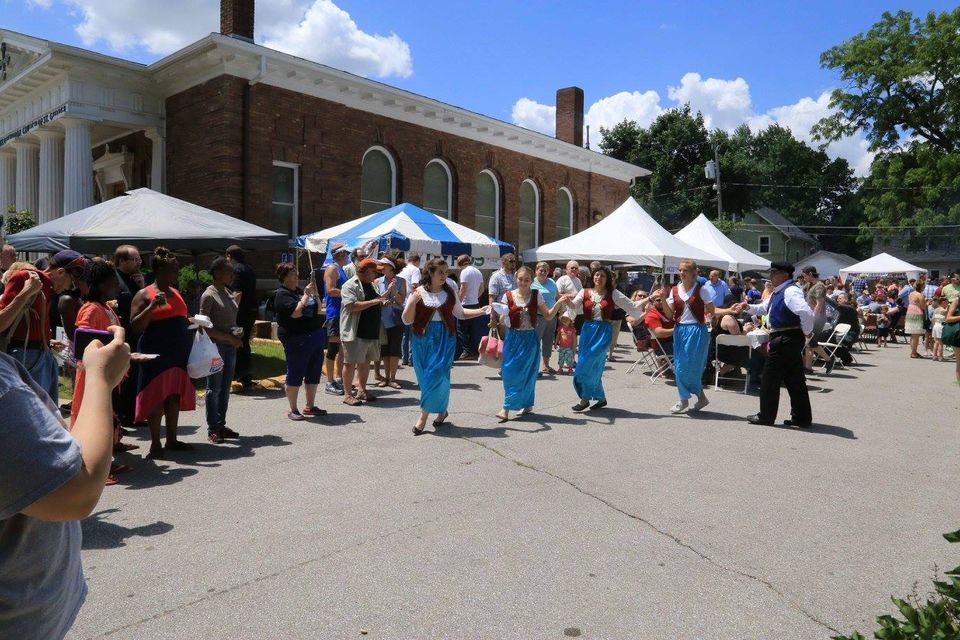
x: 332, y: 325
x: 361, y: 351
x: 391, y: 348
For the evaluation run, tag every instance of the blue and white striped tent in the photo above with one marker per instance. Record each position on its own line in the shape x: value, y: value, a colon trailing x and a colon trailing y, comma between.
x: 407, y: 227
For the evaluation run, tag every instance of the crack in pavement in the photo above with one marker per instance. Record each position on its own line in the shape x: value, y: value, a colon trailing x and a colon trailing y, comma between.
x: 703, y: 556
x: 279, y: 572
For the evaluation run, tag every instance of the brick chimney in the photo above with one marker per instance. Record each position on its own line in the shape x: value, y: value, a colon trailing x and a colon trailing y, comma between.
x: 570, y: 115
x: 236, y: 19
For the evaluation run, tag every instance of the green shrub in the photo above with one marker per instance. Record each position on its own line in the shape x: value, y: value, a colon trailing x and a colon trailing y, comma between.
x: 189, y: 272
x: 938, y: 618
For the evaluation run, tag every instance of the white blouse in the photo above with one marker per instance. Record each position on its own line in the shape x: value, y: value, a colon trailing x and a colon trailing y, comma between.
x: 620, y: 300
x: 436, y: 300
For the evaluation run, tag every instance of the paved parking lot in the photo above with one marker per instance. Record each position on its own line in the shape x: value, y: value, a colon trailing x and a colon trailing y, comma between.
x: 630, y: 523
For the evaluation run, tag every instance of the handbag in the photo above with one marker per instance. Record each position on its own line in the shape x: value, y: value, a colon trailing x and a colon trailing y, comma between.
x: 204, y: 357
x: 950, y: 334
x: 491, y: 350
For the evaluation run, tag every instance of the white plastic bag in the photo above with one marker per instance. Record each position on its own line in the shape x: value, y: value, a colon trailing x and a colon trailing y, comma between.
x: 204, y: 358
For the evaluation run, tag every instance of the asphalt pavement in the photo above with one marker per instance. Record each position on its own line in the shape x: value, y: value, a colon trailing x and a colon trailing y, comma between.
x: 623, y: 523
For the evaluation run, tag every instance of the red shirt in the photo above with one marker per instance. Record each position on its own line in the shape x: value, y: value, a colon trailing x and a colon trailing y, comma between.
x: 654, y: 319
x: 39, y: 317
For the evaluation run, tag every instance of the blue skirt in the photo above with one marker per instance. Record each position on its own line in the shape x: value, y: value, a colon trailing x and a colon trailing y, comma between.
x: 432, y: 355
x: 691, y: 343
x: 521, y: 362
x: 595, y: 336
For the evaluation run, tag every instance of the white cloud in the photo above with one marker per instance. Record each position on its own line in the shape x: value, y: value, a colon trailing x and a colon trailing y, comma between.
x: 530, y: 114
x: 327, y: 33
x: 317, y: 30
x: 725, y: 104
x: 642, y: 108
x: 42, y: 4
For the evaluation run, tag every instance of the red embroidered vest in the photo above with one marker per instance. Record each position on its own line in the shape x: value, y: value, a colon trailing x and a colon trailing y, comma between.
x: 515, y: 311
x: 695, y: 302
x: 606, y: 305
x: 423, y: 313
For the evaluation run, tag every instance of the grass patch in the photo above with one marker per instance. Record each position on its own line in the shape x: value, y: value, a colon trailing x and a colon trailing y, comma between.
x: 268, y: 359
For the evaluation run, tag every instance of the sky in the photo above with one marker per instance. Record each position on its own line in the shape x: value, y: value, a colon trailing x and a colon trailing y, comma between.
x: 736, y: 62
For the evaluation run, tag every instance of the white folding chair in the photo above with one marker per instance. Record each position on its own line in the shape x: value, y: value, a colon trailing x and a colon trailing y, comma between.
x: 836, y: 339
x: 664, y: 362
x: 647, y: 359
x: 726, y: 340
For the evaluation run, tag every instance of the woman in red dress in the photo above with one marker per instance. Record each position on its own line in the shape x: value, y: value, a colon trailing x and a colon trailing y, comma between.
x: 164, y: 389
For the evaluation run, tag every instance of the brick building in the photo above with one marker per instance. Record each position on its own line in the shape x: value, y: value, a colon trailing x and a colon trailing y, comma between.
x: 282, y: 142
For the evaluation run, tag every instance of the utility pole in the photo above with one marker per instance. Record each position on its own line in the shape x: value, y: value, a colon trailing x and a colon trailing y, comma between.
x: 712, y: 172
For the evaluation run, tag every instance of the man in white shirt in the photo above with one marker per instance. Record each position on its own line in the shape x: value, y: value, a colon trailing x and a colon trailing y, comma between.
x: 469, y: 332
x: 570, y: 283
x: 410, y: 273
x: 790, y: 319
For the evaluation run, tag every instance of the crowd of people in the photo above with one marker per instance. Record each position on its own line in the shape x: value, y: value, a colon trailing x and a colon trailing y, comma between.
x: 363, y: 314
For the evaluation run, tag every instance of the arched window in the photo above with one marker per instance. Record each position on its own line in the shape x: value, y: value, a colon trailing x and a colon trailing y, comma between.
x: 438, y: 188
x: 378, y: 181
x: 564, y: 213
x: 487, y: 209
x: 529, y: 216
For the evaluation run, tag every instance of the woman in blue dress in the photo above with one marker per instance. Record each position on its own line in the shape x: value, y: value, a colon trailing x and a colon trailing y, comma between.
x: 596, y: 334
x: 521, y: 347
x: 433, y: 310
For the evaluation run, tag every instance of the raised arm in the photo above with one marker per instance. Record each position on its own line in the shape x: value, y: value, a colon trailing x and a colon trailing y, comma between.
x: 561, y: 303
x: 631, y: 306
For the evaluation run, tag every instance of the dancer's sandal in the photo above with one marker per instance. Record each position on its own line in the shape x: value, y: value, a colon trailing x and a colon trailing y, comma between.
x: 418, y: 428
x: 581, y: 406
x: 599, y: 404
x: 503, y: 416
x: 440, y: 419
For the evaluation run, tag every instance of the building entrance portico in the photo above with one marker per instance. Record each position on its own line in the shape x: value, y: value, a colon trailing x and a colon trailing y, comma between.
x: 74, y: 131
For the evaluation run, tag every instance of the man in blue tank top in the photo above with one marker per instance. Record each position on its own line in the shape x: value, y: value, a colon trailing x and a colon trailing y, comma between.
x: 790, y: 320
x: 333, y: 278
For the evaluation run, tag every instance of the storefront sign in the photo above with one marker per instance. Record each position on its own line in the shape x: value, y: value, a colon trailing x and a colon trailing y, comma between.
x: 39, y: 122
x: 484, y: 264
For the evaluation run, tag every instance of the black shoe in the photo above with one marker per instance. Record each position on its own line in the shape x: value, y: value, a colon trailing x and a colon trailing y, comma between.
x: 599, y: 404
x: 794, y: 423
x: 755, y: 419
x: 830, y: 363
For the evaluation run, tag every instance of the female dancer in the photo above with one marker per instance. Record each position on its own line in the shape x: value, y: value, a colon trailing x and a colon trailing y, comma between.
x: 433, y: 309
x: 521, y: 348
x: 164, y: 389
x: 688, y: 305
x: 595, y: 335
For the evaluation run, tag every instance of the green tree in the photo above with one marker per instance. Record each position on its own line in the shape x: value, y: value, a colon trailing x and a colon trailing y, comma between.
x: 902, y: 79
x: 674, y: 148
x: 903, y: 92
x: 17, y: 221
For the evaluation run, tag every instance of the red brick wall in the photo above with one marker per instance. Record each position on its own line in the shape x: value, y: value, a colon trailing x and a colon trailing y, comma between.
x: 206, y: 143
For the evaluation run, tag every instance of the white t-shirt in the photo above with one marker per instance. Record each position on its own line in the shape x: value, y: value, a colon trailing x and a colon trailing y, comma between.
x: 471, y: 277
x: 411, y: 274
x: 707, y: 294
x: 566, y: 284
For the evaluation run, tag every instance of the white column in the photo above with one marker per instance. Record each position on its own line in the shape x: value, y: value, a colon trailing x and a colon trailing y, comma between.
x: 28, y: 169
x: 158, y: 159
x: 51, y: 175
x: 8, y: 179
x: 77, y: 165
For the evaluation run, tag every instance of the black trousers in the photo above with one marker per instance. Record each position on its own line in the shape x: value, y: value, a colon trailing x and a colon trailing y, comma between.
x: 785, y: 365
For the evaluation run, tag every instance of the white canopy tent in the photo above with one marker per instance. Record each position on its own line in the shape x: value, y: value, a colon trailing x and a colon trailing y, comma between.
x: 882, y: 266
x: 702, y: 233
x: 629, y: 235
x: 828, y: 264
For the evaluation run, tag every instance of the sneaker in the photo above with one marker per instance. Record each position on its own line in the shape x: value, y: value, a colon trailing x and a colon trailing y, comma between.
x: 333, y: 389
x: 830, y: 364
x: 229, y: 433
x: 216, y: 437
x: 339, y: 383
x: 680, y: 407
x: 295, y: 415
x: 313, y: 411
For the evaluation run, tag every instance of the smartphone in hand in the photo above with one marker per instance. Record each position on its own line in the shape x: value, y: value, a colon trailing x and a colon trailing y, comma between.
x: 83, y: 337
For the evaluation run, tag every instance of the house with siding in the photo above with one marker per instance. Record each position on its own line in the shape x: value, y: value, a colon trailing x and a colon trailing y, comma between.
x: 770, y: 234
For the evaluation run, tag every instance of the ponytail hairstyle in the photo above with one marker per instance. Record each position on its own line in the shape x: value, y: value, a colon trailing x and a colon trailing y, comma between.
x: 162, y: 257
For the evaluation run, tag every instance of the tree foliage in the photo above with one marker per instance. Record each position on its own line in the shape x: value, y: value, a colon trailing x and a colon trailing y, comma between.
x: 768, y: 168
x: 902, y: 78
x: 17, y: 221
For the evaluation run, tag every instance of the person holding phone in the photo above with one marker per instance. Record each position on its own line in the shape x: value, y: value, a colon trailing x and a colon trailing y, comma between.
x: 159, y: 313
x: 51, y: 479
x: 301, y: 334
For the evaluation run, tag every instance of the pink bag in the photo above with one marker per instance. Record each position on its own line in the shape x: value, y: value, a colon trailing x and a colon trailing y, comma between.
x: 491, y: 350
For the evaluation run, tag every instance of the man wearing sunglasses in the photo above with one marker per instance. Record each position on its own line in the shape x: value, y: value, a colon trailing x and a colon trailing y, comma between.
x: 25, y: 314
